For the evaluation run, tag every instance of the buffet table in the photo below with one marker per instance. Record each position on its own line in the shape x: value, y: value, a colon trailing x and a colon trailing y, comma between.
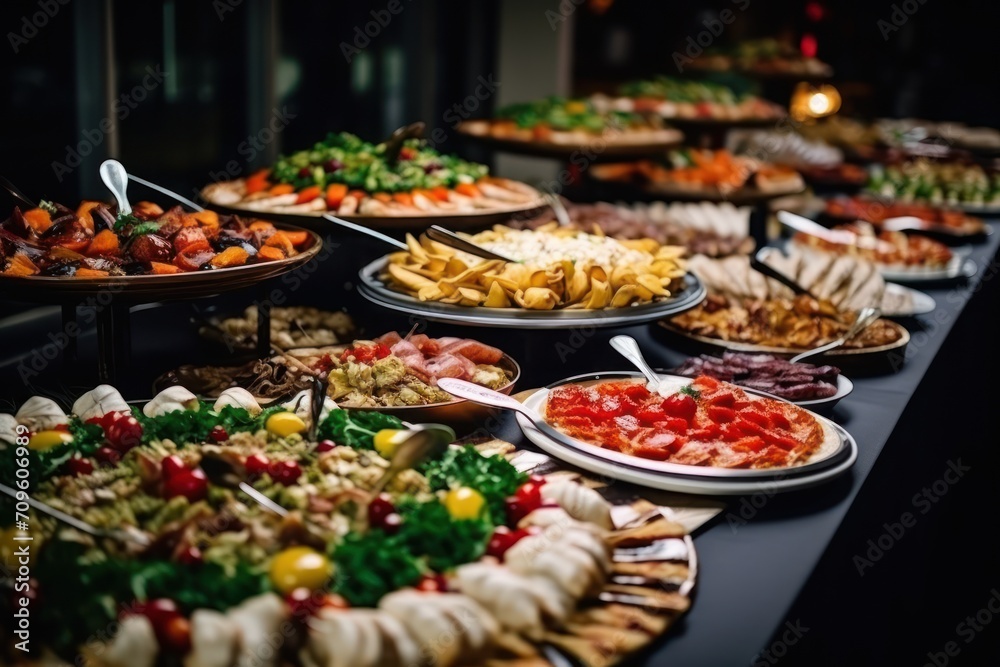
x: 755, y: 557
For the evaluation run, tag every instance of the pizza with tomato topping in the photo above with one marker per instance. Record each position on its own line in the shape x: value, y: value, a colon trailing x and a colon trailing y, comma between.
x: 704, y: 423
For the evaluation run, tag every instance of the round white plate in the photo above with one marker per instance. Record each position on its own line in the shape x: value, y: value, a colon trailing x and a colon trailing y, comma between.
x: 836, y: 455
x: 921, y: 303
x: 681, y: 484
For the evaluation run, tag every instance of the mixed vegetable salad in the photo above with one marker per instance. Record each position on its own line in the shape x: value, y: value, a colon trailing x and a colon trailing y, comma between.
x: 344, y: 159
x: 211, y: 547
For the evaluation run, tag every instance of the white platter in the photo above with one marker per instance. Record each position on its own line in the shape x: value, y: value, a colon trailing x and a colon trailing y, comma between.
x: 836, y: 457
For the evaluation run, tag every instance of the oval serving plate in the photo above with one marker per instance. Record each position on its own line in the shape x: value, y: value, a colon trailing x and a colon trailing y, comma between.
x: 373, y: 289
x: 831, y: 452
x: 458, y: 411
x: 838, y: 353
x: 165, y: 287
x: 612, y: 150
x: 418, y: 221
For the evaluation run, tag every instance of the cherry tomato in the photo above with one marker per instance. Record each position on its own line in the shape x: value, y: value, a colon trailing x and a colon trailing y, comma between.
x: 433, y: 583
x: 172, y: 465
x: 379, y: 508
x: 256, y: 464
x: 285, y: 472
x: 325, y: 446
x: 218, y: 434
x: 518, y: 508
x: 174, y: 635
x: 531, y: 492
x: 124, y: 433
x: 107, y: 456
x: 300, y: 567
x: 191, y: 484
x: 77, y: 466
x: 392, y: 523
x: 158, y: 611
x: 191, y: 556
x: 680, y: 405
x: 503, y: 539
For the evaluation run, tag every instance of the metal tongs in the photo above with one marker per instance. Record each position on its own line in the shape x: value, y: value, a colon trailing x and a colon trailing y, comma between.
x: 866, y: 317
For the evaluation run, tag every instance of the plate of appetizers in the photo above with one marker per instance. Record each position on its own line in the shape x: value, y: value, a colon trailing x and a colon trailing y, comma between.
x: 559, y: 127
x: 964, y: 186
x: 53, y: 251
x: 695, y: 103
x: 748, y: 312
x: 715, y: 229
x: 202, y: 530
x: 935, y: 219
x: 389, y: 373
x: 558, y: 278
x: 701, y: 174
x: 804, y: 384
x: 364, y: 182
x: 693, y: 436
x: 899, y: 257
x: 848, y: 281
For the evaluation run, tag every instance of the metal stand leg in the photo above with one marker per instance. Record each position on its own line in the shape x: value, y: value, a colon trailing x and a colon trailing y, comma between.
x: 69, y: 326
x: 758, y: 224
x: 114, y: 342
x: 263, y: 325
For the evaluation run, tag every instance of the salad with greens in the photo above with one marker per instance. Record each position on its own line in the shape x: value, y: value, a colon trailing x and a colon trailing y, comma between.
x: 187, y: 560
x: 347, y: 175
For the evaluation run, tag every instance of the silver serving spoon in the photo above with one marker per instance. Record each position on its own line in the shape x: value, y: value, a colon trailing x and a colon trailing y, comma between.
x: 116, y: 534
x: 116, y: 178
x: 423, y: 441
x: 562, y: 215
x: 629, y: 348
x: 866, y: 317
x: 453, y: 240
x: 170, y: 193
x: 365, y: 230
x: 16, y: 193
x: 222, y: 472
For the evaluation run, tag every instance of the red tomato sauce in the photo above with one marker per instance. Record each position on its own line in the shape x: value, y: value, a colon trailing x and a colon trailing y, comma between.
x: 717, y: 424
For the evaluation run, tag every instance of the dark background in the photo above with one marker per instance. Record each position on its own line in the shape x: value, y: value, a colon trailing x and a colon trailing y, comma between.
x: 941, y: 64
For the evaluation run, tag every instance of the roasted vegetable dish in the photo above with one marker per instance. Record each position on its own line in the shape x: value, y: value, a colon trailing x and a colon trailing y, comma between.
x: 95, y: 242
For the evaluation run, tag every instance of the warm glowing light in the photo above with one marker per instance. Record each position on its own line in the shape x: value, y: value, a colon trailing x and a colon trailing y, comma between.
x: 819, y: 104
x: 809, y: 102
x: 814, y: 11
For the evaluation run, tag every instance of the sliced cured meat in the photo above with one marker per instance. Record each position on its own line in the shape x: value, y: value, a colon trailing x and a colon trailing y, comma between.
x: 451, y: 366
x: 473, y: 350
x: 389, y: 339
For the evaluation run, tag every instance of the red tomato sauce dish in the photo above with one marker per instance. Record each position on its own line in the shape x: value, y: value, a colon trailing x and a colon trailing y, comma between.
x: 704, y: 423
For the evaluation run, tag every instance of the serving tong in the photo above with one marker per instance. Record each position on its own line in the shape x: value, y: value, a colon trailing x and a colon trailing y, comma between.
x: 117, y: 534
x: 834, y: 236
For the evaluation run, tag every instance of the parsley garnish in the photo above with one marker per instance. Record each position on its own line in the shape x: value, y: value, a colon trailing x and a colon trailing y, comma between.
x: 493, y: 476
x: 690, y: 391
x: 356, y: 429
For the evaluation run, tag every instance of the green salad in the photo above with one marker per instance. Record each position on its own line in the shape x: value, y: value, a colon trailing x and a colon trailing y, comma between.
x: 345, y: 159
x: 566, y: 115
